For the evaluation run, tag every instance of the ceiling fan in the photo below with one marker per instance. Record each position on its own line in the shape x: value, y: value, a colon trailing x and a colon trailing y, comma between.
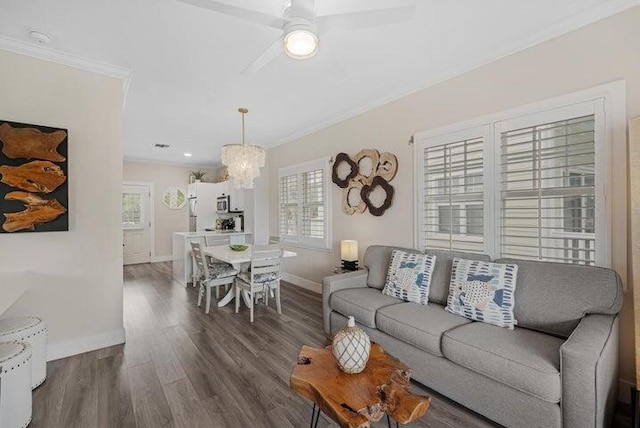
x: 301, y: 27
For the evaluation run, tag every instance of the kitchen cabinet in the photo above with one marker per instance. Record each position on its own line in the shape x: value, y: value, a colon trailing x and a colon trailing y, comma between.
x: 199, y: 189
x: 237, y: 199
x: 236, y: 196
x: 223, y: 188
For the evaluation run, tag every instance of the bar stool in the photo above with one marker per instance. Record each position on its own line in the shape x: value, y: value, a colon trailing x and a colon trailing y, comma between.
x: 15, y: 384
x: 34, y: 331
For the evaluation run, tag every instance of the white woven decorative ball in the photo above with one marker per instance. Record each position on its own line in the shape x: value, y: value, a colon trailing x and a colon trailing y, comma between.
x: 351, y: 347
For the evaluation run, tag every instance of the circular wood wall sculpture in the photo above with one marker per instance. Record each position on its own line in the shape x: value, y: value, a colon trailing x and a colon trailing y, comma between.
x: 372, y: 154
x: 388, y: 167
x: 354, y: 186
x: 384, y: 168
x: 367, y: 189
x: 343, y: 183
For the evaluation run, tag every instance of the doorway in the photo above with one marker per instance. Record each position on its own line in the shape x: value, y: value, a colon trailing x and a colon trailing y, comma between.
x: 137, y: 217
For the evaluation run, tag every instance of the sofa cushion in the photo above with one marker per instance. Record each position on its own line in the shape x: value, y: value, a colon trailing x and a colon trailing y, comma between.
x: 361, y: 303
x: 483, y: 291
x: 418, y: 325
x: 409, y: 276
x: 523, y: 359
x: 378, y: 257
x: 554, y: 297
x: 441, y: 277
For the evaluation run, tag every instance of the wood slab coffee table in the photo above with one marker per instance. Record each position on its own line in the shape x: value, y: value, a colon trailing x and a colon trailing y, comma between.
x: 356, y: 400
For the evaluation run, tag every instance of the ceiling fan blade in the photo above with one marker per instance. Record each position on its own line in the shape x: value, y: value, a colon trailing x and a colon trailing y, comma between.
x: 365, y: 19
x: 271, y: 53
x: 238, y: 12
x: 303, y: 9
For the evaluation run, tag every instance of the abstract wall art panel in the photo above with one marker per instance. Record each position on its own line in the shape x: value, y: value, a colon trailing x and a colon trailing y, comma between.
x: 34, y: 186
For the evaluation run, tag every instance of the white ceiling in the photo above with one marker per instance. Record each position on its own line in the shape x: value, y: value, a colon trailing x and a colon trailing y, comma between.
x: 187, y: 61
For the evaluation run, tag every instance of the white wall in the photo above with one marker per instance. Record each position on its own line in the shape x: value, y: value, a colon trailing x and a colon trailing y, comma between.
x: 167, y: 220
x: 593, y: 55
x: 81, y: 297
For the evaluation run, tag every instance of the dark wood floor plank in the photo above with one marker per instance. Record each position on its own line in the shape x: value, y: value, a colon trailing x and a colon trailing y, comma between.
x: 80, y: 399
x: 115, y: 406
x: 181, y: 367
x: 47, y: 398
x: 149, y: 402
x: 188, y: 410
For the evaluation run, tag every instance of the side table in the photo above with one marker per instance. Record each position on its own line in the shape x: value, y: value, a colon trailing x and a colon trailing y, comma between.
x: 356, y: 400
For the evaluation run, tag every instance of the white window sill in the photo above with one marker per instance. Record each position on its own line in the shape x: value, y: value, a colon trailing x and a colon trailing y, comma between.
x: 306, y: 246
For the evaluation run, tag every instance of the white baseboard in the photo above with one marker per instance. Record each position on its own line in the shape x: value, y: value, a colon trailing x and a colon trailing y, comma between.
x: 159, y: 259
x: 624, y: 390
x: 55, y: 351
x: 302, y: 282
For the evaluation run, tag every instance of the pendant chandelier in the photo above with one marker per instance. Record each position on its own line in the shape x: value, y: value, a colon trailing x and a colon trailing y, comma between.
x: 243, y: 161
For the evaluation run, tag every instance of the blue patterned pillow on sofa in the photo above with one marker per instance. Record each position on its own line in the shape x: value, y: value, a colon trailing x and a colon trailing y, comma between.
x: 409, y: 276
x: 483, y: 291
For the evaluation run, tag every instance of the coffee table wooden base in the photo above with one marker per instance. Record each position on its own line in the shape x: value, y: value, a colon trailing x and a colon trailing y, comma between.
x: 356, y: 400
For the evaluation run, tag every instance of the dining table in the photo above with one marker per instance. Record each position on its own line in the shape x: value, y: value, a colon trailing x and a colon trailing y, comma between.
x: 240, y: 260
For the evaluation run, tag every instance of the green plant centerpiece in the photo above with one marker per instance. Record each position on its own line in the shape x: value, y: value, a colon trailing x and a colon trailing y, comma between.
x: 197, y: 175
x: 238, y: 247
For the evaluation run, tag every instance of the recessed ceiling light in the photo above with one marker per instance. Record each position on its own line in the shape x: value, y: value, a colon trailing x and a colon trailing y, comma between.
x: 40, y: 37
x: 188, y: 155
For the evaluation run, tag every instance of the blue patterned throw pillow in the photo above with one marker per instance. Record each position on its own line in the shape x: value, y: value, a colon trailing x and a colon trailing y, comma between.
x: 483, y: 291
x: 409, y: 276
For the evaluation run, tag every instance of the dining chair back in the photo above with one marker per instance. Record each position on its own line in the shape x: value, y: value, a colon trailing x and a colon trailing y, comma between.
x: 196, y: 272
x: 276, y: 240
x: 264, y: 277
x: 211, y: 275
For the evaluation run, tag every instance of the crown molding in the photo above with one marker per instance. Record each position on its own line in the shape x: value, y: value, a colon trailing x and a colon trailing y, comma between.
x: 71, y: 60
x: 573, y: 23
x: 170, y: 163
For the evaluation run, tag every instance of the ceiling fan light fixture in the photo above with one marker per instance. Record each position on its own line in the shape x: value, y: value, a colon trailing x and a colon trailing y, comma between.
x: 300, y: 42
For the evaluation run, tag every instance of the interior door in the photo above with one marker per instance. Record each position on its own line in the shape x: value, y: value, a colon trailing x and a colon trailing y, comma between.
x: 136, y: 225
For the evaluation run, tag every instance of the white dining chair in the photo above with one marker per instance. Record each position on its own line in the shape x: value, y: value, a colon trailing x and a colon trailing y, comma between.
x: 266, y: 261
x: 276, y: 240
x: 211, y: 275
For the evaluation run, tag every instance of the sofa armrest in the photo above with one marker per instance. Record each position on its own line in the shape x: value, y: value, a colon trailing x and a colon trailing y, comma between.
x: 589, y: 372
x: 356, y: 279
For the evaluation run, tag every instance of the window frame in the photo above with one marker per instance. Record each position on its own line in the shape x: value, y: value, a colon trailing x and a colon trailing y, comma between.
x: 610, y: 114
x: 298, y: 170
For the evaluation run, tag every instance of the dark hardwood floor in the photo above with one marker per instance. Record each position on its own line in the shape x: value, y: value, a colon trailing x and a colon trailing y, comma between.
x: 182, y: 368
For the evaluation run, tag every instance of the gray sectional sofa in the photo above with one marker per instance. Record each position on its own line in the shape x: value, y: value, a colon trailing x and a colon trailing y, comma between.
x: 558, y: 368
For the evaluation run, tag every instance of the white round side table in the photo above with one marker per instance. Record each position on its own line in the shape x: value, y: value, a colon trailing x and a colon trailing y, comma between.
x: 34, y: 331
x: 15, y: 384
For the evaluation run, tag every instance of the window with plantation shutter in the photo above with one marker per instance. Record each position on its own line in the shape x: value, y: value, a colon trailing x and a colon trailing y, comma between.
x: 523, y: 186
x: 289, y: 206
x: 453, y: 195
x: 304, y: 202
x: 548, y: 176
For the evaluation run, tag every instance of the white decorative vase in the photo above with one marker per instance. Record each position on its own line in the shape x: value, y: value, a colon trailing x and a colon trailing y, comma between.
x: 351, y: 347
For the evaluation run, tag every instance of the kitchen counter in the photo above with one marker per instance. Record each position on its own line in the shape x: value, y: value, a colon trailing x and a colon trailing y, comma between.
x: 182, y: 267
x: 210, y: 232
